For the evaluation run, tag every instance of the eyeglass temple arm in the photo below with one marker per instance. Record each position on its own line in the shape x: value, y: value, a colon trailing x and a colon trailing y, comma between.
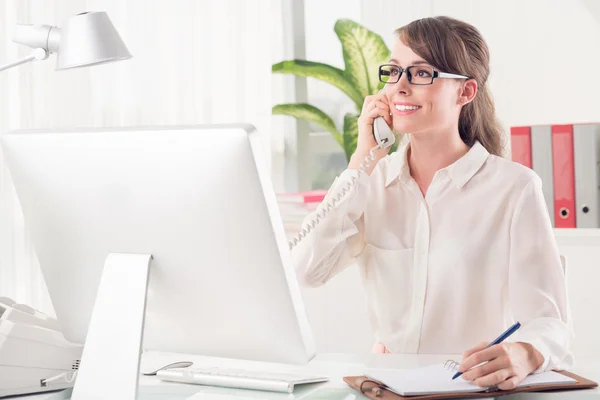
x: 448, y: 75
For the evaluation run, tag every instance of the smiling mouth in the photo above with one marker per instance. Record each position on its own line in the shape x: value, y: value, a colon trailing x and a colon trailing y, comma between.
x: 406, y: 108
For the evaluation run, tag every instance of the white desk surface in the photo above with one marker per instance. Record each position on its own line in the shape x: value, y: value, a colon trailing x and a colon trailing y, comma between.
x: 335, y: 366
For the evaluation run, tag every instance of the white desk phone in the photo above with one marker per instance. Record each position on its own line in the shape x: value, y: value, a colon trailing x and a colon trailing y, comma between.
x: 34, y: 354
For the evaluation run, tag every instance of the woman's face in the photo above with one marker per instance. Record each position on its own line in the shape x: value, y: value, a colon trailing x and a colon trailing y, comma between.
x: 437, y: 104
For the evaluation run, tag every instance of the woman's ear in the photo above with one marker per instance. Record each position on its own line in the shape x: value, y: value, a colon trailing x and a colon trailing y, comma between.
x: 468, y: 91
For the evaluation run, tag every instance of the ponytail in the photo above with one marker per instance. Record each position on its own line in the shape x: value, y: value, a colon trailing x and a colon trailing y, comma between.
x: 478, y: 121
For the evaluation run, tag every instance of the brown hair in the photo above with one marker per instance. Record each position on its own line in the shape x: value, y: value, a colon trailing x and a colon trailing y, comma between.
x: 457, y: 47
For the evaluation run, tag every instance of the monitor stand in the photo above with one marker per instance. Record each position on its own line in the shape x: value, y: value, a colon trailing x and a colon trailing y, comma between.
x: 110, y: 361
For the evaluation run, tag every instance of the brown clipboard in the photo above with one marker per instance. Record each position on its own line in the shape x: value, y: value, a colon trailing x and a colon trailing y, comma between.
x: 377, y: 391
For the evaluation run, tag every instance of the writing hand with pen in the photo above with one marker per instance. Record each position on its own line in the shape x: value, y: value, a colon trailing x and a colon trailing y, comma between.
x: 503, y: 365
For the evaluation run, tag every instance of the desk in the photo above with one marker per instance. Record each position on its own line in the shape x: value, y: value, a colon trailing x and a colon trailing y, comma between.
x: 333, y: 365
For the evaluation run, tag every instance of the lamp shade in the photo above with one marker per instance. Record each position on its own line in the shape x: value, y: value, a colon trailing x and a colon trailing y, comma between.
x: 89, y: 39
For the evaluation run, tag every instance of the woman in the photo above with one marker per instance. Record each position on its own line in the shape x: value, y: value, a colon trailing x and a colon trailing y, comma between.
x: 454, y: 242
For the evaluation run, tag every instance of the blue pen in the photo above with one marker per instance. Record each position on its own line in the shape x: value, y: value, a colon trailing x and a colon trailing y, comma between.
x: 500, y: 339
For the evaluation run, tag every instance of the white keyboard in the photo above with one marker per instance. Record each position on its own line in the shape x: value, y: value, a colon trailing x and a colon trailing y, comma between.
x: 239, y: 378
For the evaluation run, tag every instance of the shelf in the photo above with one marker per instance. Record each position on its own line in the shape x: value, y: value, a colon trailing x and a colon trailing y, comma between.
x: 577, y: 236
x: 577, y: 232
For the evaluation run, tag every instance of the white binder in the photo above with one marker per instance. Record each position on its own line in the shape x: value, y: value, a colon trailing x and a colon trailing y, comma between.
x: 541, y: 163
x: 586, y: 149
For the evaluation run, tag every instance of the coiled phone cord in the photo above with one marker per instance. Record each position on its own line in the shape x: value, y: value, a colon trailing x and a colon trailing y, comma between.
x: 327, y: 207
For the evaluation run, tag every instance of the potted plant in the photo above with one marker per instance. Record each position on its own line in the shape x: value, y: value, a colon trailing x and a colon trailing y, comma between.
x: 363, y: 51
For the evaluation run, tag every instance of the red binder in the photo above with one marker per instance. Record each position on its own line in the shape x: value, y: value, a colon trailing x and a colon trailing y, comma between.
x: 520, y: 144
x: 563, y: 176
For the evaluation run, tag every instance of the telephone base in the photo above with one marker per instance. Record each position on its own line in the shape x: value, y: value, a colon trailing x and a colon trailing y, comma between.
x: 28, y: 381
x: 32, y: 357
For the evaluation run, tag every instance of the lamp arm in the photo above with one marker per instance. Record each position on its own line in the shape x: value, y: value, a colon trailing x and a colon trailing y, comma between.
x: 37, y: 54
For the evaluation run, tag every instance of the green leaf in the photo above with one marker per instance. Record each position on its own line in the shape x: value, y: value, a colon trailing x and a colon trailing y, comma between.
x: 324, y: 72
x: 363, y: 52
x: 312, y: 114
x: 399, y: 139
x: 350, y: 134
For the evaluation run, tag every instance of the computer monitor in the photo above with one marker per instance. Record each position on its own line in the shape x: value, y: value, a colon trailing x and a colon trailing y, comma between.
x: 199, y: 199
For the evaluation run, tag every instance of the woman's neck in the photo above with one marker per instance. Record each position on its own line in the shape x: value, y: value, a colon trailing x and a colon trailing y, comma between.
x: 430, y: 153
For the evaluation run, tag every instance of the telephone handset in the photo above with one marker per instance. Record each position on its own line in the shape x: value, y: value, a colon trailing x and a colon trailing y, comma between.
x: 382, y: 132
x: 384, y: 137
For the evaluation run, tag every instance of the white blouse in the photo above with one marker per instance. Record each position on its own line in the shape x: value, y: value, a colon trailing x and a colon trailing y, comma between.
x: 457, y: 267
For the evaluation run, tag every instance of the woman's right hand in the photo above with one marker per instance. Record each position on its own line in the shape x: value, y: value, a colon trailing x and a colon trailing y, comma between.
x: 373, y: 107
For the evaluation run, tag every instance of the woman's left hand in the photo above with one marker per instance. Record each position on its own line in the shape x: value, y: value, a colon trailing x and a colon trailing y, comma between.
x: 506, y: 364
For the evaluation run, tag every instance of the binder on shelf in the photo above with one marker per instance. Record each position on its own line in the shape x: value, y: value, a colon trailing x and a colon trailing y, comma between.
x: 541, y: 161
x: 520, y: 144
x: 311, y: 196
x: 564, y: 176
x: 586, y: 151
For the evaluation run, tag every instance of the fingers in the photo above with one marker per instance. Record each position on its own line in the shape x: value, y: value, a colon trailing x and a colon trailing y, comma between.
x: 378, y: 112
x: 373, y: 107
x: 474, y: 349
x: 367, y: 103
x: 370, y: 100
x: 486, y: 369
x: 510, y: 383
x: 376, y: 102
x: 379, y: 108
x: 481, y: 356
x: 496, y: 378
x: 492, y: 366
x: 378, y: 348
x: 380, y: 104
x: 388, y: 118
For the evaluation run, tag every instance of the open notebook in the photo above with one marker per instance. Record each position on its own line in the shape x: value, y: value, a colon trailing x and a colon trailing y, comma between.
x: 436, y: 379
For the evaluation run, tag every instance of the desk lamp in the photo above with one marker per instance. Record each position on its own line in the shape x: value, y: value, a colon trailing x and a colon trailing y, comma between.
x: 87, y: 39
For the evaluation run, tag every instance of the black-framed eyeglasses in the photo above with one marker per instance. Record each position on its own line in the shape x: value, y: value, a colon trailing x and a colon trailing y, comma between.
x: 416, y: 74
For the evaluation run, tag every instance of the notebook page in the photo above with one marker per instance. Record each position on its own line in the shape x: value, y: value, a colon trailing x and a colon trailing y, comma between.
x: 436, y: 379
x: 544, y: 378
x: 432, y: 379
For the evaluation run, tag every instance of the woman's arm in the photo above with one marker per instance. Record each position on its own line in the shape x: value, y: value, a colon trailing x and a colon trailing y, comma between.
x: 338, y: 239
x: 537, y: 284
x: 538, y: 300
